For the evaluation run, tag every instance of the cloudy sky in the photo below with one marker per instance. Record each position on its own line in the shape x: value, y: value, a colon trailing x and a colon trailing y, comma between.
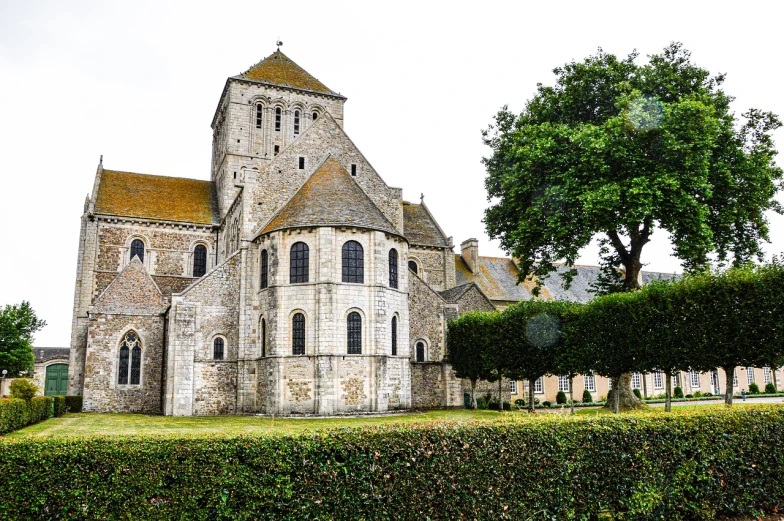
x: 139, y: 82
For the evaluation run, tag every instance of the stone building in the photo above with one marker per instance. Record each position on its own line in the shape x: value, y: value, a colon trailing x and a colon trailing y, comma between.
x: 295, y: 281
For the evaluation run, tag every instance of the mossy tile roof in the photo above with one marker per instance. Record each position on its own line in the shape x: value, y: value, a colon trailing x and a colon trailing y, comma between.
x: 496, y: 277
x: 419, y: 226
x: 330, y: 197
x: 279, y: 69
x: 156, y: 197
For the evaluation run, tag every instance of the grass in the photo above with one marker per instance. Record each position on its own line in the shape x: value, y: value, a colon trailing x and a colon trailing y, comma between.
x: 95, y: 424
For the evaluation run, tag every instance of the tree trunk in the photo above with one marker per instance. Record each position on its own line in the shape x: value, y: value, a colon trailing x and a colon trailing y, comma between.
x: 729, y: 374
x: 531, y: 396
x: 775, y: 383
x: 500, y: 395
x: 644, y: 385
x: 622, y: 394
x: 473, y: 394
x: 571, y: 393
x: 668, y: 392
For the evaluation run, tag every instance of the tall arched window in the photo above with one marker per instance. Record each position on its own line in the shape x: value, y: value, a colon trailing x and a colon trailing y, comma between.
x: 296, y: 122
x: 420, y: 352
x: 278, y: 115
x: 353, y: 262
x: 413, y: 266
x: 217, y: 348
x: 393, y: 268
x: 298, y: 334
x: 300, y: 263
x: 263, y: 329
x: 354, y: 328
x: 130, y: 347
x: 259, y: 112
x: 264, y: 269
x: 199, y: 260
x: 394, y: 336
x: 137, y: 249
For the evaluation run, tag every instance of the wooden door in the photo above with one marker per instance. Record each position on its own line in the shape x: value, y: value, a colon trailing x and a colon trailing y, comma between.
x: 56, y: 380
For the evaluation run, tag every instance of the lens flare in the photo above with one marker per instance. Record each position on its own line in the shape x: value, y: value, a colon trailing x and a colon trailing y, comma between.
x: 644, y: 113
x: 543, y: 330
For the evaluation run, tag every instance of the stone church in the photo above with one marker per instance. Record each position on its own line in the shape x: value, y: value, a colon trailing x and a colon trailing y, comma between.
x: 295, y: 281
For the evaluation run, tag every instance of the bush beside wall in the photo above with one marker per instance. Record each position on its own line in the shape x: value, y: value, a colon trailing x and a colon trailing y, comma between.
x: 15, y: 413
x: 696, y: 465
x: 73, y: 403
x: 59, y: 405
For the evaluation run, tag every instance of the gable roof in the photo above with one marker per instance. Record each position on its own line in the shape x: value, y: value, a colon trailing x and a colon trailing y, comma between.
x: 279, y: 69
x: 132, y: 292
x: 496, y: 277
x: 127, y: 194
x: 420, y: 227
x: 330, y: 197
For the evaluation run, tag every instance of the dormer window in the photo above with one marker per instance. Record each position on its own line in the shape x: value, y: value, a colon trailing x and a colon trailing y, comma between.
x: 278, y: 116
x: 259, y: 112
x: 296, y: 122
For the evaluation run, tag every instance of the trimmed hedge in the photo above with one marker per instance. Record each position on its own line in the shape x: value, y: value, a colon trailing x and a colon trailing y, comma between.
x: 679, y: 466
x: 59, y: 405
x: 73, y: 403
x: 16, y: 413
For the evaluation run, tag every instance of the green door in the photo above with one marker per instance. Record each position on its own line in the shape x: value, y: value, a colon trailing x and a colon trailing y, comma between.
x: 56, y: 380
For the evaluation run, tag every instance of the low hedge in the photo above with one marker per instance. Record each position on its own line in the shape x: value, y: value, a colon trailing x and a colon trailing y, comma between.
x: 15, y: 413
x: 59, y: 405
x: 695, y: 465
x: 73, y: 403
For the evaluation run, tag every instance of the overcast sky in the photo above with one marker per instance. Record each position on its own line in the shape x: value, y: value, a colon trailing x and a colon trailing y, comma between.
x: 139, y: 82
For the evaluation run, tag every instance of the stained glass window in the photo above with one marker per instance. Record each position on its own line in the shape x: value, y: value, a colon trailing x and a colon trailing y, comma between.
x: 393, y: 268
x: 123, y: 371
x: 137, y: 249
x: 199, y: 260
x: 298, y: 334
x: 354, y: 326
x: 217, y: 348
x: 264, y: 269
x: 130, y: 348
x: 353, y: 262
x: 136, y: 365
x: 299, y: 263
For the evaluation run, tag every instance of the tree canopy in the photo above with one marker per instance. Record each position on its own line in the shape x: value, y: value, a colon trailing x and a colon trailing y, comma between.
x: 615, y: 150
x: 18, y: 323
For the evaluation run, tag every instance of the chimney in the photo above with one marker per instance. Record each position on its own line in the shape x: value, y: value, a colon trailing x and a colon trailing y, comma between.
x: 469, y: 249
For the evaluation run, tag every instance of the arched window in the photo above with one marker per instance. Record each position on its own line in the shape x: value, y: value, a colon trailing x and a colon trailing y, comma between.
x: 315, y: 116
x: 298, y: 334
x: 353, y: 262
x: 413, y: 266
x: 199, y: 260
x: 296, y: 122
x: 420, y: 352
x: 278, y: 115
x: 217, y: 348
x: 263, y: 329
x: 137, y: 249
x: 130, y: 348
x: 259, y: 112
x: 264, y: 269
x: 354, y: 327
x: 300, y: 263
x: 394, y: 336
x: 393, y: 268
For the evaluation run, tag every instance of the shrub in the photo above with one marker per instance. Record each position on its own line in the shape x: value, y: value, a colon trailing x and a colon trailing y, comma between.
x: 689, y: 396
x: 14, y: 414
x: 609, y: 396
x: 697, y: 394
x: 547, y: 403
x: 23, y: 388
x: 707, y: 394
x: 73, y: 403
x: 753, y: 388
x: 40, y: 408
x: 637, y: 393
x: 560, y: 398
x: 678, y: 392
x: 587, y: 398
x: 519, y: 402
x: 59, y: 405
x: 770, y: 388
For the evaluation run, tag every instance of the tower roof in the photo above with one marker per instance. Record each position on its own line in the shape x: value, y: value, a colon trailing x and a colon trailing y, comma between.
x: 330, y: 197
x: 279, y: 69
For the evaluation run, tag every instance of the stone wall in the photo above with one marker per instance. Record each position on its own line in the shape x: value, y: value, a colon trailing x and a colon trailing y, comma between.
x: 474, y: 300
x: 432, y: 269
x: 426, y: 319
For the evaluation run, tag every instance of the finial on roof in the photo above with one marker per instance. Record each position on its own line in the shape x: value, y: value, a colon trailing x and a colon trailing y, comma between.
x: 421, y: 198
x: 279, y: 43
x: 101, y: 161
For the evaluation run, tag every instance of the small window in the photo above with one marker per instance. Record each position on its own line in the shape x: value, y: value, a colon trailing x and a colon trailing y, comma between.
x: 263, y: 329
x: 413, y: 266
x: 137, y: 249
x: 658, y: 380
x: 354, y: 170
x: 420, y: 351
x: 217, y: 348
x: 590, y: 382
x: 394, y: 336
x: 276, y: 149
x: 353, y: 262
x: 354, y: 327
x: 199, y: 260
x: 749, y: 375
x: 735, y: 378
x: 695, y: 379
x: 278, y: 115
x: 264, y: 281
x: 512, y: 386
x: 766, y: 375
x: 296, y: 122
x: 315, y: 116
x: 298, y: 334
x: 259, y: 112
x: 393, y: 268
x: 563, y: 383
x: 539, y: 386
x: 636, y: 381
x: 302, y: 163
x: 300, y: 263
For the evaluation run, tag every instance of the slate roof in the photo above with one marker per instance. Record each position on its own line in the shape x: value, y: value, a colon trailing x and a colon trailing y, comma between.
x: 156, y: 197
x: 330, y: 197
x: 279, y: 69
x: 580, y: 289
x: 46, y: 353
x: 419, y: 226
x: 452, y: 295
x: 496, y: 277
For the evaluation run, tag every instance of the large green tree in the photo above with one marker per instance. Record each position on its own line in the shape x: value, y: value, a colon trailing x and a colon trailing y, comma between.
x: 18, y: 323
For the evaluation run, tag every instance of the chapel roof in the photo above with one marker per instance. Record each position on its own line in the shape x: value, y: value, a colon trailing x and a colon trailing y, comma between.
x: 452, y: 295
x: 156, y: 197
x: 420, y: 227
x: 330, y: 197
x: 279, y: 69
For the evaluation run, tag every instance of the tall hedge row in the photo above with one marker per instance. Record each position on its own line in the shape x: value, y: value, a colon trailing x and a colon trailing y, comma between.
x: 680, y: 466
x: 15, y: 413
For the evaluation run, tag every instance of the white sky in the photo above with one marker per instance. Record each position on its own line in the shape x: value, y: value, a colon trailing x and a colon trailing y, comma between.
x: 139, y: 81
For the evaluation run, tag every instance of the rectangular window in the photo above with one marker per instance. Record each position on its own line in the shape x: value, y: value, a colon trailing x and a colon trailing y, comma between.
x: 695, y: 379
x: 278, y: 115
x: 609, y: 383
x: 658, y: 381
x: 749, y: 375
x: 676, y: 380
x: 354, y: 170
x: 735, y: 378
x: 590, y: 382
x: 563, y: 383
x: 636, y: 381
x: 513, y: 387
x: 259, y: 110
x: 766, y: 375
x: 539, y: 386
x: 277, y: 149
x: 302, y: 163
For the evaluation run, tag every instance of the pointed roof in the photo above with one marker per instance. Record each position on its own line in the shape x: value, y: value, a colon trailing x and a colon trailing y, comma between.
x: 132, y: 292
x: 279, y: 69
x: 330, y: 197
x: 420, y: 227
